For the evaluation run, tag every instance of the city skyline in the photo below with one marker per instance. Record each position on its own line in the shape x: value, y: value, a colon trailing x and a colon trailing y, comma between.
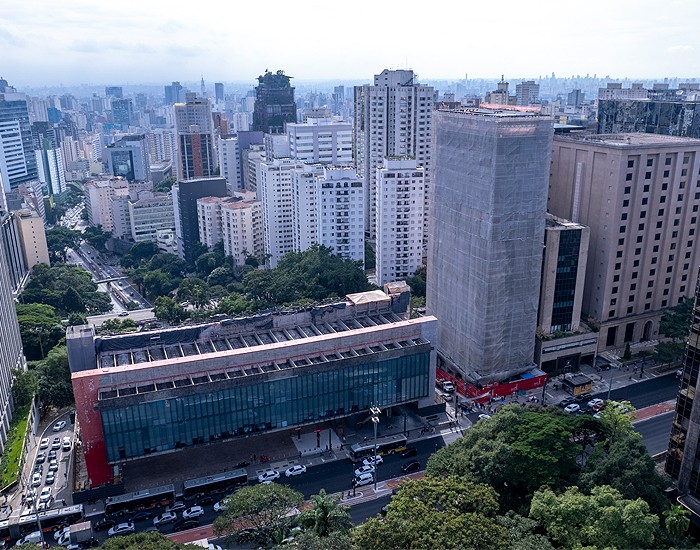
x: 81, y: 42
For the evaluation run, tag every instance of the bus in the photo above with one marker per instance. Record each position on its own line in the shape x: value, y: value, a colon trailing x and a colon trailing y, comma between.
x: 387, y: 445
x: 59, y: 517
x: 140, y: 500
x: 224, y: 482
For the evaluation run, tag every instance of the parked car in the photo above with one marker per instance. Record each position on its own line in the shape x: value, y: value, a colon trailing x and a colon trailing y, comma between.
x: 141, y: 515
x: 40, y: 457
x: 410, y: 451
x: 56, y: 443
x: 183, y: 524
x: 596, y: 403
x: 164, y: 518
x: 193, y: 512
x: 38, y: 468
x: 126, y: 528
x: 295, y: 470
x: 104, y: 523
x: 36, y: 480
x: 53, y: 465
x: 573, y: 408
x: 268, y: 476
x: 484, y: 416
x: 45, y: 494
x: 58, y: 426
x: 32, y: 538
x: 44, y: 444
x: 124, y: 314
x: 373, y: 460
x: 363, y: 479
x: 52, y: 454
x: 412, y: 466
x: 176, y: 506
x: 221, y: 505
x: 60, y: 532
x: 364, y: 469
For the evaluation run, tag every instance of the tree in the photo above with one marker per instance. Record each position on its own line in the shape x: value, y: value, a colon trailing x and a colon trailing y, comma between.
x: 144, y: 250
x: 54, y: 385
x: 168, y: 310
x: 165, y: 185
x: 338, y: 540
x: 40, y: 328
x: 677, y: 520
x: 417, y: 282
x: 445, y: 512
x: 97, y: 237
x: 117, y: 326
x: 523, y: 532
x: 144, y: 541
x: 76, y: 318
x: 675, y: 322
x: 58, y: 240
x: 603, y: 519
x: 326, y: 515
x: 616, y: 419
x: 158, y: 283
x: 234, y: 304
x: 24, y: 386
x: 263, y: 509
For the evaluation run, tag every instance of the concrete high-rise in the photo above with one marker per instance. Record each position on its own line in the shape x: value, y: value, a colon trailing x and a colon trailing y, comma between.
x: 218, y: 91
x: 123, y: 112
x: 174, y: 93
x: 527, y: 93
x: 230, y: 163
x: 33, y: 237
x: 393, y: 118
x: 197, y: 156
x: 274, y: 103
x: 129, y: 157
x: 17, y: 159
x: 486, y: 235
x: 321, y: 140
x: 639, y: 195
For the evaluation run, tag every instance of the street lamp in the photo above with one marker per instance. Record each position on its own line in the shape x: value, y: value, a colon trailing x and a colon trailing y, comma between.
x: 375, y: 412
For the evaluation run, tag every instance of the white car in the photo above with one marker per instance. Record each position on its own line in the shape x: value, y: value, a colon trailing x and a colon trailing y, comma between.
x: 295, y: 470
x: 364, y: 469
x: 574, y: 407
x: 213, y: 546
x: 176, y: 506
x: 193, y: 512
x: 221, y: 505
x: 45, y: 494
x: 121, y: 529
x: 65, y: 539
x: 364, y: 479
x: 36, y: 537
x: 56, y: 443
x: 50, y: 478
x: 58, y: 426
x: 44, y: 443
x: 268, y: 476
x: 53, y: 466
x: 66, y: 444
x: 484, y: 416
x: 373, y: 460
x: 165, y: 517
x: 36, y: 480
x: 40, y: 457
x: 593, y: 403
x: 58, y: 534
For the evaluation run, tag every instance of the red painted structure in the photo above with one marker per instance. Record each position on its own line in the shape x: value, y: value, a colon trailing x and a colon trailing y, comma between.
x: 482, y: 394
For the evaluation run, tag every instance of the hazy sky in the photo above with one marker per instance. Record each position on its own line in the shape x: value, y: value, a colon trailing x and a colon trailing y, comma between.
x: 50, y: 42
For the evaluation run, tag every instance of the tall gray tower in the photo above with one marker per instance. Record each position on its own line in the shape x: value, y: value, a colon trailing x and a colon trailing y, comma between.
x: 487, y: 221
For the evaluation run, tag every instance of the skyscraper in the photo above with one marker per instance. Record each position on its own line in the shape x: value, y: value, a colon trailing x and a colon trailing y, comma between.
x: 129, y: 158
x: 393, y: 118
x: 274, y: 103
x: 527, y: 93
x: 123, y: 112
x: 17, y: 159
x: 197, y: 156
x: 218, y: 91
x: 174, y: 93
x: 486, y: 235
x: 114, y: 91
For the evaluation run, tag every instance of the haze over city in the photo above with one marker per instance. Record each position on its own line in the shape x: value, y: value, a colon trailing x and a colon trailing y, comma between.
x: 76, y: 41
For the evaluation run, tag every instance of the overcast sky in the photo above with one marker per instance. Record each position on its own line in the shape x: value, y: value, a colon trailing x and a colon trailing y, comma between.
x: 52, y: 42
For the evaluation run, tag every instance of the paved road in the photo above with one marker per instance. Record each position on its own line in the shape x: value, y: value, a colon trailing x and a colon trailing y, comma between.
x: 365, y: 510
x: 646, y: 393
x: 656, y: 432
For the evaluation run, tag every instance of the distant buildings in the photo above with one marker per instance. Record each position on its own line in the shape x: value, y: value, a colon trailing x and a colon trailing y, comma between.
x: 274, y: 103
x: 129, y: 158
x: 17, y: 158
x: 664, y: 117
x: 527, y: 93
x: 123, y: 113
x: 149, y: 214
x: 639, y: 195
x: 174, y: 93
x: 487, y: 232
x: 98, y: 200
x: 229, y: 163
x: 197, y: 156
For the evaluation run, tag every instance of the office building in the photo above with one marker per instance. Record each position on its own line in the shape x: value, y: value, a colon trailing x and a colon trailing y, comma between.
x: 33, y: 237
x: 114, y: 91
x: 242, y: 227
x: 305, y: 206
x: 129, y: 158
x: 487, y: 232
x: 11, y: 253
x: 160, y: 171
x: 665, y: 117
x: 562, y: 340
x: 638, y: 193
x: 174, y: 93
x: 399, y: 246
x: 393, y: 118
x: 614, y: 90
x: 197, y: 156
x: 158, y: 391
x: 162, y: 145
x: 185, y: 194
x: 527, y: 93
x: 219, y: 92
x: 123, y: 113
x: 500, y: 95
x: 209, y: 219
x: 149, y: 214
x: 321, y: 141
x: 274, y: 103
x: 17, y: 159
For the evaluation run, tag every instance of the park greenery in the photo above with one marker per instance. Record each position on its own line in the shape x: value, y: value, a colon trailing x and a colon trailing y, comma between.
x: 9, y: 463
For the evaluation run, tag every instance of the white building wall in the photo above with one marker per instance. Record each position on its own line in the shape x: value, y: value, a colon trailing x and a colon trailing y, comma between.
x: 242, y: 229
x: 229, y: 162
x: 323, y: 141
x: 305, y: 207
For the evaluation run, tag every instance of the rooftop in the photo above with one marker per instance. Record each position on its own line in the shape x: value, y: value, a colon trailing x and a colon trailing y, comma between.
x: 631, y: 139
x: 500, y: 112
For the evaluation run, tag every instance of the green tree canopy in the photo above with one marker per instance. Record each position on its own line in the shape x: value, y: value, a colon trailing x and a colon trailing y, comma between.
x: 40, y: 328
x: 53, y: 379
x: 437, y: 513
x: 263, y: 509
x: 417, y: 282
x: 165, y: 185
x: 603, y: 519
x: 145, y: 541
x: 24, y: 386
x: 117, y: 326
x: 675, y: 322
x: 58, y: 240
x: 326, y: 515
x: 97, y: 237
x: 168, y: 310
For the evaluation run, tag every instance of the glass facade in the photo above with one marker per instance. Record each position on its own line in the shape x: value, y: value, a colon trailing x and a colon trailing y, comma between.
x: 565, y: 285
x: 136, y: 430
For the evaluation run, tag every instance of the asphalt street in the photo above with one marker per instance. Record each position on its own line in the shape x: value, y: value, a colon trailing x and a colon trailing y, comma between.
x: 646, y: 393
x: 655, y: 432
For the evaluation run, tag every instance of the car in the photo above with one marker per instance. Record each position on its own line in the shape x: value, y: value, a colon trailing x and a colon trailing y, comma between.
x: 66, y: 443
x: 484, y: 416
x: 64, y: 540
x: 176, y: 506
x: 30, y: 496
x: 40, y: 457
x: 126, y: 528
x: 594, y: 403
x: 53, y: 466
x: 295, y: 470
x: 412, y: 466
x: 183, y: 524
x: 36, y: 480
x: 365, y: 469
x: 38, y: 469
x: 213, y: 546
x: 573, y: 408
x: 193, y: 512
x: 364, y: 479
x: 568, y: 401
x: 164, y: 518
x: 58, y: 426
x: 45, y: 494
x: 124, y: 314
x: 205, y: 499
x: 410, y: 451
x: 373, y: 460
x: 268, y: 475
x: 221, y: 505
x: 56, y: 443
x: 104, y: 523
x: 52, y: 454
x: 50, y: 478
x: 44, y: 444
x: 32, y: 538
x: 141, y: 516
x: 60, y: 532
x: 448, y: 387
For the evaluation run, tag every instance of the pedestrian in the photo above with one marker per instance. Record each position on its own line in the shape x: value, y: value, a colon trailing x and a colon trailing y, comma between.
x: 63, y: 501
x: 299, y: 454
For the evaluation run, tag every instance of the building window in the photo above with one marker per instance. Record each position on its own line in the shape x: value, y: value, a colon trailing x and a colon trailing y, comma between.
x: 650, y: 162
x: 644, y: 201
x: 643, y: 214
x: 619, y: 254
x: 647, y: 307
x: 623, y: 228
x: 647, y: 176
x: 640, y: 238
x: 630, y: 310
x: 625, y: 203
x: 646, y: 188
x: 627, y: 190
x: 620, y: 242
x: 640, y: 227
x: 628, y: 177
x: 630, y: 164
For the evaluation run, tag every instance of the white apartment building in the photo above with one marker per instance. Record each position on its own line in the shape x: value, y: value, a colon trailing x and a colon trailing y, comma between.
x: 13, y: 165
x: 400, y: 220
x: 274, y: 189
x: 162, y: 145
x: 305, y: 207
x: 241, y: 122
x: 252, y: 157
x: 340, y: 204
x: 242, y: 228
x: 321, y: 140
x: 393, y: 118
x: 209, y: 219
x: 98, y: 200
x: 150, y: 215
x: 33, y: 236
x: 229, y: 163
x: 51, y: 169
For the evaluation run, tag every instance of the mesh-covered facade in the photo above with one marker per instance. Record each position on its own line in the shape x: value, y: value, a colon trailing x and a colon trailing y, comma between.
x: 486, y: 233
x: 669, y: 118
